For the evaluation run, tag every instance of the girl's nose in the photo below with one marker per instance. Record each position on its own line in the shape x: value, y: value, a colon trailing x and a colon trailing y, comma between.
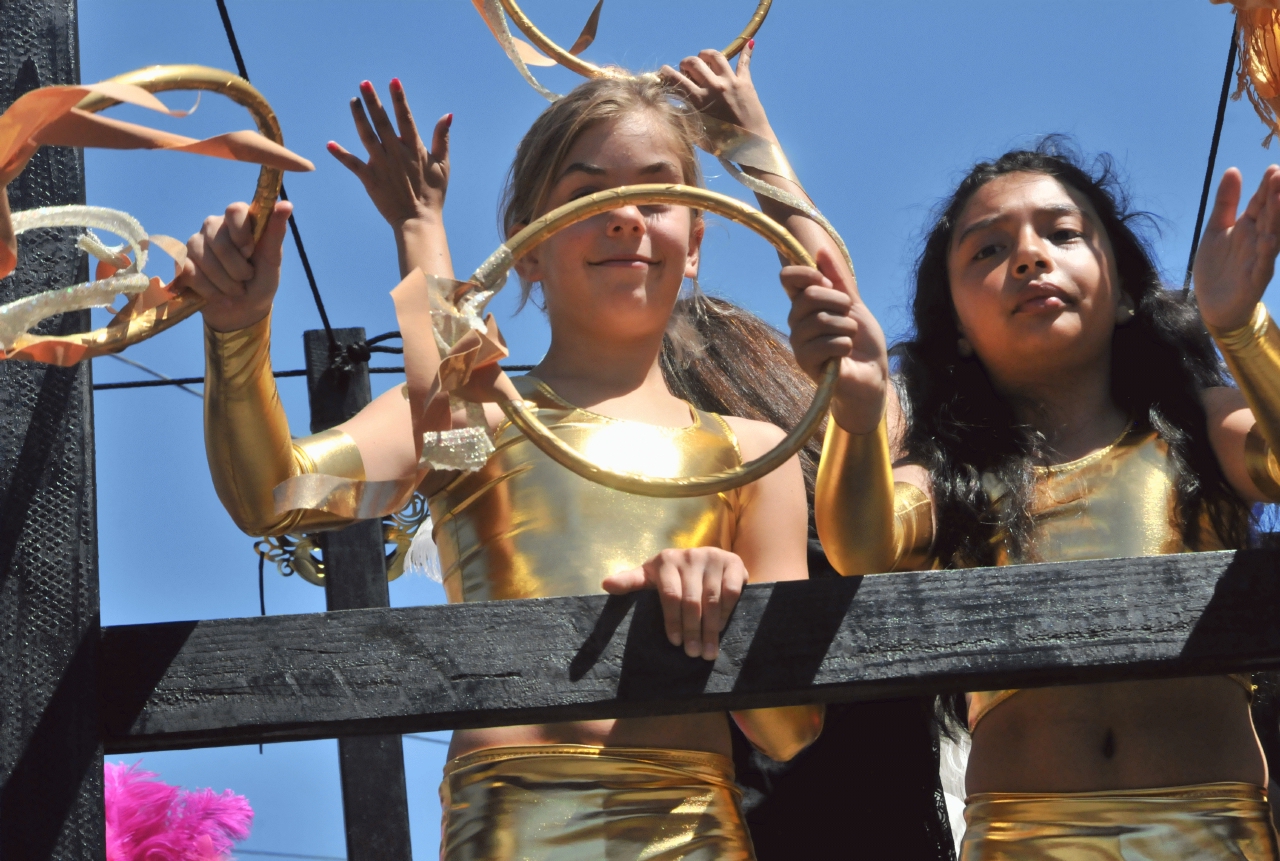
x: 626, y: 219
x: 1031, y: 256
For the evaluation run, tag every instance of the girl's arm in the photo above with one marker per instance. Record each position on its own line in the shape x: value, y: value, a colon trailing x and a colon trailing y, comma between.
x: 246, y: 431
x: 715, y: 88
x: 771, y: 540
x: 1234, y: 264
x: 699, y: 587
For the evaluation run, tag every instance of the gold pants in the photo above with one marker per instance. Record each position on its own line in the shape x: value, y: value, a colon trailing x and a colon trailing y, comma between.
x: 578, y: 803
x: 1205, y: 822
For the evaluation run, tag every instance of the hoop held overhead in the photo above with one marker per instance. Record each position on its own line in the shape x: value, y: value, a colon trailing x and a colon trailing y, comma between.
x: 491, y: 274
x: 591, y: 70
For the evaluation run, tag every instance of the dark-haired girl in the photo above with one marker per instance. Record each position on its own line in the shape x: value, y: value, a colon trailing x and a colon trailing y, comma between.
x: 1060, y: 404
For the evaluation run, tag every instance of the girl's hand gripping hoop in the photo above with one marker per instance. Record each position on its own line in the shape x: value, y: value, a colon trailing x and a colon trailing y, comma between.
x: 157, y: 79
x: 492, y: 273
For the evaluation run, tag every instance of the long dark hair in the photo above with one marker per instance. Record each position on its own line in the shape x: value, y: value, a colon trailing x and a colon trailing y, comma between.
x: 959, y: 427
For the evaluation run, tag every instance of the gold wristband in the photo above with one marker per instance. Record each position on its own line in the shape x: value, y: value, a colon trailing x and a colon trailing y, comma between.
x: 247, y: 436
x: 781, y: 733
x: 868, y: 524
x: 1252, y: 352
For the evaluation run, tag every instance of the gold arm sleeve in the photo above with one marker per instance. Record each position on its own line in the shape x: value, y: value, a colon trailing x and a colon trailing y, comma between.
x: 247, y: 437
x: 781, y: 733
x: 868, y: 524
x: 1253, y: 355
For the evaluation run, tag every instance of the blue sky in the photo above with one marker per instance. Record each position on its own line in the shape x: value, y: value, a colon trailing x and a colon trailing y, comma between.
x: 881, y: 107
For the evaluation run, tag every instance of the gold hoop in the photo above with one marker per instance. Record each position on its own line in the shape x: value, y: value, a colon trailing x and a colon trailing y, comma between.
x: 492, y: 273
x: 158, y: 79
x: 591, y: 70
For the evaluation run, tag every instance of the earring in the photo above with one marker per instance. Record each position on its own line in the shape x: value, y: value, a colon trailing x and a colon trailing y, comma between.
x: 1124, y: 311
x: 964, y: 348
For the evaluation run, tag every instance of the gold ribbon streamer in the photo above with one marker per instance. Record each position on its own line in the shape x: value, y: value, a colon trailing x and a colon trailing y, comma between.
x: 435, y: 366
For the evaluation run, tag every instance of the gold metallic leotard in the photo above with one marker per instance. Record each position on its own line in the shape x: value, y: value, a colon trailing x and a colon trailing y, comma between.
x: 524, y: 527
x: 1118, y: 501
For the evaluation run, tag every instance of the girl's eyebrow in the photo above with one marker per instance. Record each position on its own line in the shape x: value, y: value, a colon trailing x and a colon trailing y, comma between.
x: 1052, y: 209
x: 596, y: 170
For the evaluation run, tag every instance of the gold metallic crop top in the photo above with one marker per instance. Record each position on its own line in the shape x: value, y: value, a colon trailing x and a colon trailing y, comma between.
x: 1117, y: 501
x: 524, y: 527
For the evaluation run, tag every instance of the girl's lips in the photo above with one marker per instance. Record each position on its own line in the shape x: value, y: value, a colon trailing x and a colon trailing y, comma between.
x: 1041, y: 303
x: 625, y: 263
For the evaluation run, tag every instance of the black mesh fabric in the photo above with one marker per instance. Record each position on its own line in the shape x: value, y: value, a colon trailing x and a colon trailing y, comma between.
x: 50, y: 758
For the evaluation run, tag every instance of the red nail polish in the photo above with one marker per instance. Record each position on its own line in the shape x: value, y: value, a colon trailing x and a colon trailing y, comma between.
x: 366, y: 86
x: 449, y: 119
x: 331, y: 145
x: 395, y: 83
x: 751, y: 43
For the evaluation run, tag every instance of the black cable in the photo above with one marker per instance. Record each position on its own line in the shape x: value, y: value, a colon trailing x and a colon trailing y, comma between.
x: 262, y: 589
x: 293, y: 224
x: 262, y: 586
x: 187, y: 381
x: 1213, y: 157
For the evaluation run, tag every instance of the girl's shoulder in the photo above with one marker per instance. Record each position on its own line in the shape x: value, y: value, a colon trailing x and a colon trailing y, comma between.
x: 754, y: 437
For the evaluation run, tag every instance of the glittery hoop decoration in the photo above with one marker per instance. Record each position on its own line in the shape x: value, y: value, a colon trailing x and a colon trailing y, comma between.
x: 17, y: 317
x: 157, y: 79
x: 491, y: 275
x: 589, y: 70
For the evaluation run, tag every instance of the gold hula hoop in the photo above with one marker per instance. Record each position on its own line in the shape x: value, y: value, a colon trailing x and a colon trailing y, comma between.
x: 158, y: 79
x: 492, y: 273
x: 591, y: 70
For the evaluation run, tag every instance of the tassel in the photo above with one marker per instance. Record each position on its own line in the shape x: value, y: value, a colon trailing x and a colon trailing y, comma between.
x: 1258, y: 72
x: 424, y: 556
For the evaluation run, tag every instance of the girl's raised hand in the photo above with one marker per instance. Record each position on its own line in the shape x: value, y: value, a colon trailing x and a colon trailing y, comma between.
x: 698, y: 588
x: 405, y: 180
x: 1237, y: 255
x: 829, y: 320
x: 715, y: 88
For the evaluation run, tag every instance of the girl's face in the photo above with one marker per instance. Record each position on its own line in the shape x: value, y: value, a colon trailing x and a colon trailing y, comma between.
x: 1033, y: 279
x: 619, y: 273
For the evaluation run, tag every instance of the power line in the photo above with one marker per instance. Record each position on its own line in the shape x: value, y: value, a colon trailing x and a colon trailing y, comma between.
x: 267, y: 854
x: 429, y: 739
x: 189, y: 381
x: 1212, y: 157
x: 161, y: 378
x: 293, y: 224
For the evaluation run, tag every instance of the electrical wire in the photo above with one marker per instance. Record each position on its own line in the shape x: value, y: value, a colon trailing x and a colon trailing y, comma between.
x: 293, y: 223
x: 1213, y: 157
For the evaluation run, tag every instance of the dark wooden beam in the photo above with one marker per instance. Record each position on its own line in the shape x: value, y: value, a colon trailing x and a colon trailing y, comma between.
x: 50, y: 752
x: 510, y: 662
x: 375, y: 800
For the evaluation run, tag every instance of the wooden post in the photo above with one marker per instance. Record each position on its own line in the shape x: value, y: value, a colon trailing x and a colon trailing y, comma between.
x: 50, y: 752
x: 375, y: 802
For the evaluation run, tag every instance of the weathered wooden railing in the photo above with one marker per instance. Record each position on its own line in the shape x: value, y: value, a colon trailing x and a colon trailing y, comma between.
x: 277, y: 678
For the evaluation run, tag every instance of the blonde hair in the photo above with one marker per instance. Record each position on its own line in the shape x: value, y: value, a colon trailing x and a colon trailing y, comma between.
x: 545, y: 146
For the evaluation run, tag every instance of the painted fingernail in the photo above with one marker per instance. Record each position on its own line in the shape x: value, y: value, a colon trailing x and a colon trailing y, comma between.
x: 395, y: 84
x: 366, y: 86
x: 448, y: 119
x: 331, y: 146
x: 751, y: 43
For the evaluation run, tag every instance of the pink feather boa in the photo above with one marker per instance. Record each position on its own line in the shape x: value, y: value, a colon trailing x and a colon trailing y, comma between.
x: 148, y: 820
